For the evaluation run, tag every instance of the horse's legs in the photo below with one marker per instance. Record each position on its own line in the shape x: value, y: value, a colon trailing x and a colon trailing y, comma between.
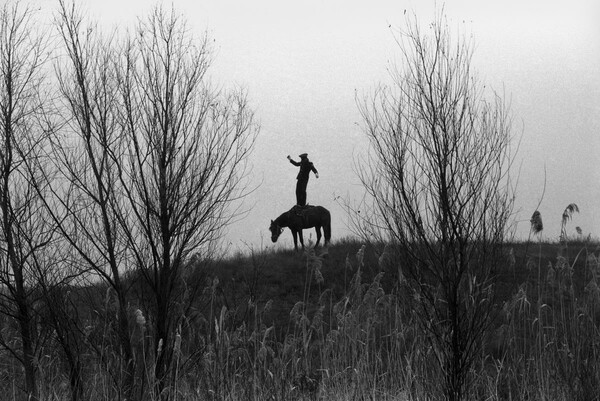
x: 295, y: 235
x: 301, y: 238
x: 318, y: 230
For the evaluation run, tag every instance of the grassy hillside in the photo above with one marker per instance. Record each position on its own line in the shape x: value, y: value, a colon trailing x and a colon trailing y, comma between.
x: 541, y: 283
x: 338, y: 325
x: 284, y: 277
x: 546, y: 325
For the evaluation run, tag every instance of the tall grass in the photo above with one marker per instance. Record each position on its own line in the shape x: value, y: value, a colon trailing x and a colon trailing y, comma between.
x: 356, y: 341
x: 550, y: 333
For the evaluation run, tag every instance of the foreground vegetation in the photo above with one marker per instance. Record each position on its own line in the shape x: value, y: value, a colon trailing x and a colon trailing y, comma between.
x: 121, y: 163
x: 341, y: 325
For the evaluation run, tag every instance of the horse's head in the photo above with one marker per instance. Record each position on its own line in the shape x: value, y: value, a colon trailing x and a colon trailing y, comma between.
x: 275, y: 231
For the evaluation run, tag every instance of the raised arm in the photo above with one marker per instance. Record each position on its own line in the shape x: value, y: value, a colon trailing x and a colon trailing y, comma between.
x: 293, y: 162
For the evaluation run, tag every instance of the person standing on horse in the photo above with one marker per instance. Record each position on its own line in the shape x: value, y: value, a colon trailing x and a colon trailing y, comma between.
x: 306, y: 167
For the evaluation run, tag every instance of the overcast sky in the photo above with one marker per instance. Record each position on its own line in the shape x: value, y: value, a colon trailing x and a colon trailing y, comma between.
x: 303, y: 62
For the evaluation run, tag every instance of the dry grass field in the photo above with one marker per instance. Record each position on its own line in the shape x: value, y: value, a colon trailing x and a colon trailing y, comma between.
x: 339, y: 326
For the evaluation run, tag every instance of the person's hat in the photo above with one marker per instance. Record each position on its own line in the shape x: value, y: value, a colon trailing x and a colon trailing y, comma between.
x: 304, y: 155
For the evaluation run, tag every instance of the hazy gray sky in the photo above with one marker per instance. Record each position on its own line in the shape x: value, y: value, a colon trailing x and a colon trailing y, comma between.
x: 302, y: 63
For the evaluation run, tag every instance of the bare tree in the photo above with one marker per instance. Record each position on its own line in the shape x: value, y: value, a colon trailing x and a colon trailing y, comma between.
x: 151, y: 160
x: 186, y: 147
x: 438, y: 178
x: 24, y: 231
x: 83, y: 198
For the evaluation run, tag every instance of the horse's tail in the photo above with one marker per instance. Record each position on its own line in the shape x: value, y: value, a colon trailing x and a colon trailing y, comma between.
x: 327, y: 227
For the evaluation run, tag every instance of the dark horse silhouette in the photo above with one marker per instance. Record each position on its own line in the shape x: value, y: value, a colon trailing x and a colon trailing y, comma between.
x: 298, y: 218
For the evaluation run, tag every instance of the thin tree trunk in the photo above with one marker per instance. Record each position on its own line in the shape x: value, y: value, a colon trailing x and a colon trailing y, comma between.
x: 129, y: 382
x: 26, y: 338
x: 20, y: 298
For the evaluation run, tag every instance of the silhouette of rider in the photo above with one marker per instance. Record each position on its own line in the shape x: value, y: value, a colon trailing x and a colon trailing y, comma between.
x: 306, y: 167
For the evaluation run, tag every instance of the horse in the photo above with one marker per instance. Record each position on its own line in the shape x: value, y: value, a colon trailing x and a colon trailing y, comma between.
x: 299, y: 218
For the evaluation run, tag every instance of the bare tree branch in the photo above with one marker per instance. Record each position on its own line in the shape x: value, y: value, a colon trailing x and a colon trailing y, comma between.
x: 25, y: 233
x: 184, y: 159
x: 438, y: 179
